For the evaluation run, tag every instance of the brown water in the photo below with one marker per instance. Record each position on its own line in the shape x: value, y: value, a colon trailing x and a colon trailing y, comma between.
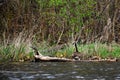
x: 60, y: 71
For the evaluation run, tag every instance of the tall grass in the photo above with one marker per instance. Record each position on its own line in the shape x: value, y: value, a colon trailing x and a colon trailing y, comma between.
x: 13, y: 53
x: 19, y: 49
x: 92, y: 49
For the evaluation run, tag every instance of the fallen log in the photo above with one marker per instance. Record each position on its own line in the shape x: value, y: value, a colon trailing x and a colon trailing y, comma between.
x: 50, y: 59
x: 41, y: 58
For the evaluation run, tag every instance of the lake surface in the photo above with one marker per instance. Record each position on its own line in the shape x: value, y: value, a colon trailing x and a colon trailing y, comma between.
x: 60, y: 71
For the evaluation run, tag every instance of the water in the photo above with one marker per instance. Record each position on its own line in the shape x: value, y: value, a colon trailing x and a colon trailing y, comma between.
x: 60, y: 71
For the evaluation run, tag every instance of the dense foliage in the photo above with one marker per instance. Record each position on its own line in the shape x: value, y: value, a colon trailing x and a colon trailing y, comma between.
x: 60, y: 21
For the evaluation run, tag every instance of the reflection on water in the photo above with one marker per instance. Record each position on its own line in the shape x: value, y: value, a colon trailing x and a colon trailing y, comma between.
x: 60, y: 71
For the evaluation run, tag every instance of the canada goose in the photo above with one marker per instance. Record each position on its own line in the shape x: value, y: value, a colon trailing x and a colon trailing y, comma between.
x: 77, y: 55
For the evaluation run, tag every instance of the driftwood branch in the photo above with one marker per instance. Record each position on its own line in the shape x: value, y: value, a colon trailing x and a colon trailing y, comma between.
x: 39, y: 57
x: 51, y: 59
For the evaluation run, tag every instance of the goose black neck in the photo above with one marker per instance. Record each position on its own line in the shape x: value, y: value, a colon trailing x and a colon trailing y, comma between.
x: 76, y: 48
x: 35, y: 50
